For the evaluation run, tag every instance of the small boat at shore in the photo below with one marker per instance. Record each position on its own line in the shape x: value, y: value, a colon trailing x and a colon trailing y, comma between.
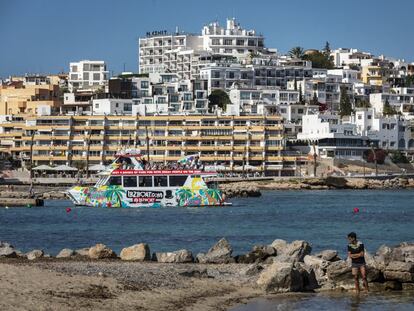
x: 130, y: 182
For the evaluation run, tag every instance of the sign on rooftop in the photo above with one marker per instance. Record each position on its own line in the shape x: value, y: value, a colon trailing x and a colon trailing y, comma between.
x: 156, y: 33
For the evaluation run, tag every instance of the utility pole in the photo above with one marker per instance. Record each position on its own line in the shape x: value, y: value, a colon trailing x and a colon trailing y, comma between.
x: 31, y: 164
x: 314, y: 159
x: 88, y: 147
x: 375, y: 159
x: 147, y: 142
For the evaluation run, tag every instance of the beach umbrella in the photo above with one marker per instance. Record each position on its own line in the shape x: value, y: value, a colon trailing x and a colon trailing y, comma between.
x: 43, y: 168
x: 65, y: 168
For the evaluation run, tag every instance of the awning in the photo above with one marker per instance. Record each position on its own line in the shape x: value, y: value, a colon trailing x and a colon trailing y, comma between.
x: 97, y: 167
x: 43, y: 168
x: 65, y: 168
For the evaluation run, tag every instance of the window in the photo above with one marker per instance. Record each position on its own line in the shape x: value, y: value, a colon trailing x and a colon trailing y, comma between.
x: 177, y: 181
x: 145, y: 181
x: 144, y: 84
x: 369, y: 117
x: 86, y: 76
x: 96, y: 105
x: 127, y: 107
x: 96, y: 76
x: 215, y: 42
x: 74, y: 68
x: 130, y: 181
x: 300, y: 111
x: 228, y: 41
x: 359, y: 117
x: 160, y: 181
x: 74, y: 77
x: 240, y: 42
x: 114, y: 181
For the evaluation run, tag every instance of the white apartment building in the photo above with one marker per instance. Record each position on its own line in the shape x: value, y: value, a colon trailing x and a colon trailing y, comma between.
x: 347, y: 75
x: 231, y: 40
x: 181, y: 52
x: 345, y: 57
x: 333, y: 138
x: 402, y: 103
x: 87, y: 75
x: 390, y: 132
x: 112, y: 106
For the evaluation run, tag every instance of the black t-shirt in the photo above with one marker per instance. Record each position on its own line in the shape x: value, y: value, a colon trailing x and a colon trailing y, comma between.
x: 356, y: 249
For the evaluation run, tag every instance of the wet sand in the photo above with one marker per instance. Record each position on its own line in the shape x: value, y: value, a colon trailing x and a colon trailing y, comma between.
x: 114, y: 285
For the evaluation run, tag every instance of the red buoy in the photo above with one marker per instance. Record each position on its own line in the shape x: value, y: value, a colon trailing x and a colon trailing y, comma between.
x: 68, y: 210
x: 356, y: 210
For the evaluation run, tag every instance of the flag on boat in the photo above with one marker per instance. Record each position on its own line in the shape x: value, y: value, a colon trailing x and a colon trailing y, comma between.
x: 187, y: 159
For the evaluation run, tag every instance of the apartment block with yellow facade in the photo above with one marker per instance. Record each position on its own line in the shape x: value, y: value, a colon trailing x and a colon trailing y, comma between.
x: 372, y: 75
x: 18, y: 97
x: 255, y: 143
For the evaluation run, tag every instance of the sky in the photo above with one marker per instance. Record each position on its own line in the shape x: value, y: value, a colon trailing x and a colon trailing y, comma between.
x: 43, y: 36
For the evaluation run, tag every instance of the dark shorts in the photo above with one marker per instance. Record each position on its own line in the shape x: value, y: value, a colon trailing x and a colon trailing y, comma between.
x: 357, y: 265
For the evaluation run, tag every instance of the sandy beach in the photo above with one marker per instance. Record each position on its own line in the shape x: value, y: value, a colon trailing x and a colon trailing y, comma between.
x: 113, y: 285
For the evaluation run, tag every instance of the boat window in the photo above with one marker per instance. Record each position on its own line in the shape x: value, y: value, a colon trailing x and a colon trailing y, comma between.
x: 130, y: 181
x: 114, y: 181
x: 160, y: 181
x: 177, y: 181
x: 145, y: 181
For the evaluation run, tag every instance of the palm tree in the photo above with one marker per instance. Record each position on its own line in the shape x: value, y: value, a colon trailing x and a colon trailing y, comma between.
x: 297, y: 52
x: 184, y: 194
x: 114, y: 193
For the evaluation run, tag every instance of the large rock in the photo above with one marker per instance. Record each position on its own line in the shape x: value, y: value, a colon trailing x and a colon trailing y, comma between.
x: 66, y: 253
x: 35, y: 254
x: 315, y: 262
x: 383, y: 256
x: 219, y: 253
x: 7, y: 251
x: 399, y: 271
x: 294, y: 252
x: 101, y: 251
x: 279, y: 245
x: 280, y: 277
x: 137, y: 252
x: 339, y: 273
x: 309, y: 278
x: 403, y: 252
x: 258, y: 254
x: 180, y: 256
x: 82, y: 252
x: 328, y: 255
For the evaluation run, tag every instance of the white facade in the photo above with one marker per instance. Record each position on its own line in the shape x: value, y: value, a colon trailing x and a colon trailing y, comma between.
x: 345, y: 57
x: 111, y: 106
x: 347, y: 75
x: 392, y: 132
x: 333, y: 138
x: 402, y: 103
x: 87, y: 75
x: 182, y: 53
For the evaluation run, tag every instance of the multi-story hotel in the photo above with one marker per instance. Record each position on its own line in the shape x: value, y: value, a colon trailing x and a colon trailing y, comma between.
x: 234, y: 142
x: 183, y: 53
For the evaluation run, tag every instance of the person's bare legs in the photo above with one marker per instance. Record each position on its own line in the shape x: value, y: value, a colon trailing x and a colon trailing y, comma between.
x: 364, y: 277
x: 356, y: 279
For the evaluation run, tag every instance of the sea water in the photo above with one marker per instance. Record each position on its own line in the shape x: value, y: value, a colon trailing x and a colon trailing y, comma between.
x: 323, y: 218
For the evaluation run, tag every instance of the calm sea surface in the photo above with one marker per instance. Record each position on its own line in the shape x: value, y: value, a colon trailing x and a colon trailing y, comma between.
x: 321, y: 217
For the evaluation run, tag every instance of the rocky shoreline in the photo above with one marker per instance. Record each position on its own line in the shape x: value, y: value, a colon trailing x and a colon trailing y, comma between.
x: 280, y: 267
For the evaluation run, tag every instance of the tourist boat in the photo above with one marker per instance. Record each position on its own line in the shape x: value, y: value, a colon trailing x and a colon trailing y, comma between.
x: 129, y: 182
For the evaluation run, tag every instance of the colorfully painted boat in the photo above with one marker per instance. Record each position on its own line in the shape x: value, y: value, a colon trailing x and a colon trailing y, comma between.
x: 129, y: 182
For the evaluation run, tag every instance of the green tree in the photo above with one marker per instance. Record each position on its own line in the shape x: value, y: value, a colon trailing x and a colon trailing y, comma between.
x: 387, y: 109
x: 320, y: 60
x: 297, y: 52
x: 219, y: 98
x: 362, y: 103
x: 327, y: 49
x: 315, y: 100
x: 345, y: 106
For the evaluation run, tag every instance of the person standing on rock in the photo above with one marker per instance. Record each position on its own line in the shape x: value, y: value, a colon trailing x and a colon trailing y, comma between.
x: 356, y: 253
